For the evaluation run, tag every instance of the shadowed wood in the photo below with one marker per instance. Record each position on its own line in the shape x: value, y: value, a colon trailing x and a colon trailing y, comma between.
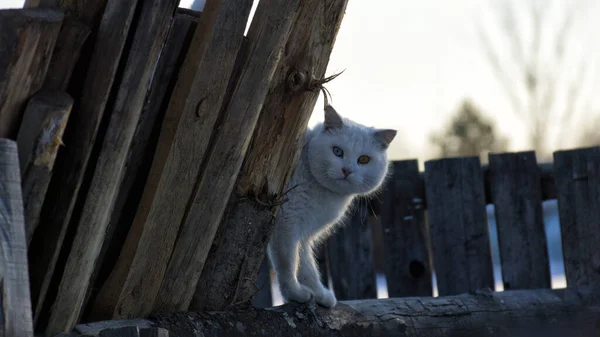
x: 131, y: 331
x: 193, y: 111
x: 15, y: 312
x: 263, y: 297
x: 516, y: 190
x: 79, y: 139
x: 458, y: 225
x: 150, y: 33
x: 27, y: 37
x: 39, y: 138
x: 89, y: 12
x: 266, y: 40
x: 577, y: 174
x: 351, y: 256
x: 405, y: 236
x: 232, y: 265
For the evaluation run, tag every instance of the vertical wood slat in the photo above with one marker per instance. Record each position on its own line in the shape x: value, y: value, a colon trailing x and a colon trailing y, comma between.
x: 577, y: 175
x: 27, y: 38
x: 148, y: 39
x: 15, y: 311
x: 516, y: 191
x: 39, y: 138
x: 350, y: 256
x: 458, y: 224
x: 263, y: 297
x: 406, y: 240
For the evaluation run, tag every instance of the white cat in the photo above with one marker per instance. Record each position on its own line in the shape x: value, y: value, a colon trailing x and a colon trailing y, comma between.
x: 340, y: 160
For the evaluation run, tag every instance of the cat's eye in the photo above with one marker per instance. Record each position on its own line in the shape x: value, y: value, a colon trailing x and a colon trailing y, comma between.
x: 338, y: 152
x: 364, y: 159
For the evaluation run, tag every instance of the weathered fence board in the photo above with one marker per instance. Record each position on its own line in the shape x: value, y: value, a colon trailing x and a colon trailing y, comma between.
x: 577, y: 174
x: 28, y: 37
x: 150, y: 33
x: 352, y: 271
x: 515, y: 183
x: 15, y: 312
x: 269, y: 162
x: 79, y: 139
x: 150, y: 241
x: 458, y: 225
x: 406, y: 239
x: 39, y: 138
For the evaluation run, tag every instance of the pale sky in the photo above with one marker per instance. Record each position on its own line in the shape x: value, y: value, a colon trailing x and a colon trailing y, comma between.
x: 408, y: 65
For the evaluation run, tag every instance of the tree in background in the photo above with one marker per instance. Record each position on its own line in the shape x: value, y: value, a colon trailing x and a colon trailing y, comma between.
x: 548, y: 77
x: 469, y: 133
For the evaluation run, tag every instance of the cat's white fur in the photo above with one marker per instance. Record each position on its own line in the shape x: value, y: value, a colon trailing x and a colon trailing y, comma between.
x: 319, y: 193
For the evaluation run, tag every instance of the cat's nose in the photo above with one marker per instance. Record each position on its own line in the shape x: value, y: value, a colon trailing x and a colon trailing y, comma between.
x: 346, y: 171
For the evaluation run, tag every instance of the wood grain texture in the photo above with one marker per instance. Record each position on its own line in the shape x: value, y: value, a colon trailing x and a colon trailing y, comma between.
x: 39, y: 138
x: 239, y: 245
x: 193, y: 113
x: 27, y: 37
x: 267, y: 36
x: 351, y: 256
x: 577, y: 174
x: 72, y: 160
x: 89, y: 12
x: 150, y: 32
x: 142, y: 150
x: 15, y: 312
x: 517, y: 195
x: 405, y: 236
x: 458, y: 225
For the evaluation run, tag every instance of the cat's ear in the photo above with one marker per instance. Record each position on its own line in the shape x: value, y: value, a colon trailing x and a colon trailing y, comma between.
x: 385, y: 137
x: 332, y: 119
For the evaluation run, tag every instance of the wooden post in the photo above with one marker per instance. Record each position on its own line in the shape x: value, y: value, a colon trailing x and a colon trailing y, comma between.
x: 458, y: 224
x: 143, y: 148
x: 405, y: 236
x: 351, y: 256
x: 232, y: 268
x: 263, y: 297
x: 517, y: 196
x: 15, y: 311
x: 28, y: 37
x: 150, y: 33
x: 577, y: 174
x: 190, y: 120
x: 79, y: 139
x: 39, y: 138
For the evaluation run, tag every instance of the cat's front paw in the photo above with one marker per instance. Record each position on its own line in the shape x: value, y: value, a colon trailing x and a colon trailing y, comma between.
x: 326, y: 298
x: 295, y: 292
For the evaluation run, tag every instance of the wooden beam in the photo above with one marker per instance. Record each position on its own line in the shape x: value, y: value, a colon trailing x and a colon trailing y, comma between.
x: 231, y: 268
x: 28, y: 37
x: 150, y: 33
x: 458, y: 225
x: 542, y: 312
x: 190, y: 119
x: 39, y: 138
x: 517, y: 197
x: 72, y: 160
x: 15, y: 311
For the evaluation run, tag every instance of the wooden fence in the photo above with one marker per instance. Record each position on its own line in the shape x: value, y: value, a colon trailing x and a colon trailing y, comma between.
x: 437, y: 219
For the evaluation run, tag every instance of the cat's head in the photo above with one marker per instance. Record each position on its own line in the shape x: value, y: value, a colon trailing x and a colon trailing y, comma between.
x: 347, y: 157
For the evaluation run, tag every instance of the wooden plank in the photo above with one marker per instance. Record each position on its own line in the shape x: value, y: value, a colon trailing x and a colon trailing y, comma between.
x: 263, y: 297
x: 517, y: 195
x: 73, y: 34
x: 231, y: 268
x: 89, y: 12
x: 266, y: 40
x: 150, y: 33
x: 39, y: 138
x: 79, y: 138
x: 142, y: 150
x: 27, y: 37
x: 15, y: 311
x: 351, y: 256
x: 458, y: 225
x: 405, y: 237
x: 190, y: 120
x: 577, y: 174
